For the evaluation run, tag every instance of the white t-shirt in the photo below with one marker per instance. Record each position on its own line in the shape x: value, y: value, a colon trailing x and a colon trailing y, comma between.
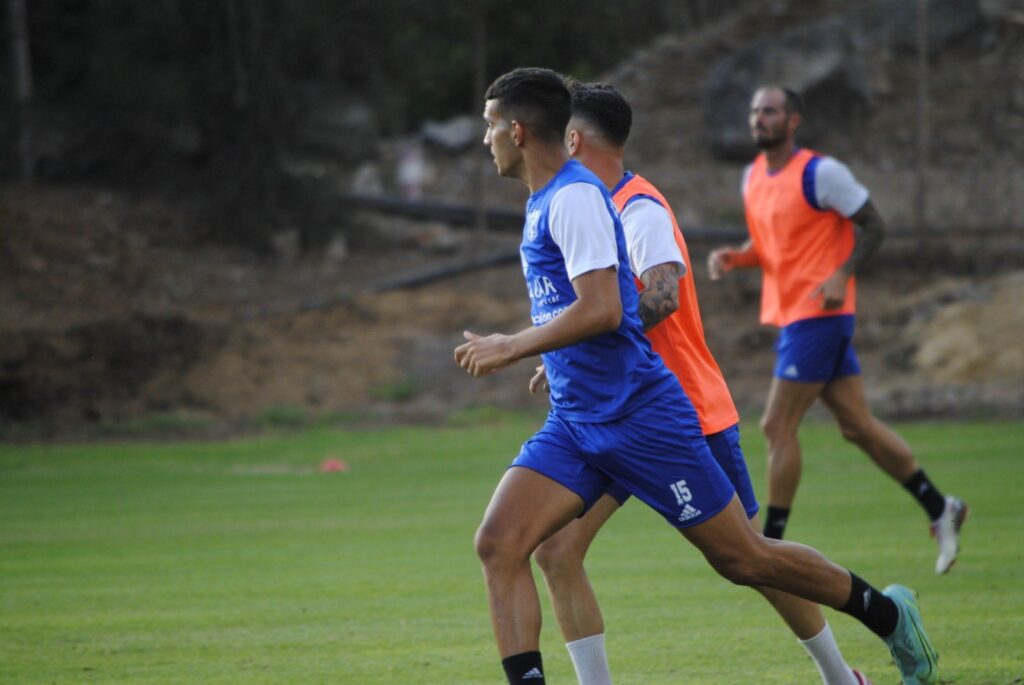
x: 650, y: 236
x: 581, y: 226
x: 835, y: 187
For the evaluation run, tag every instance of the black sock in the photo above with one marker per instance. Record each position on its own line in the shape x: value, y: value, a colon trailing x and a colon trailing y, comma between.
x: 524, y: 669
x: 871, y: 607
x: 926, y: 494
x: 775, y: 522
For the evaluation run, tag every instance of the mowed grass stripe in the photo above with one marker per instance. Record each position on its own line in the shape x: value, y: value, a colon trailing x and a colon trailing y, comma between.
x: 239, y: 562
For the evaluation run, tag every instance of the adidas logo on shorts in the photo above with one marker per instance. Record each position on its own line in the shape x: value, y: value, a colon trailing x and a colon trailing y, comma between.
x: 688, y: 513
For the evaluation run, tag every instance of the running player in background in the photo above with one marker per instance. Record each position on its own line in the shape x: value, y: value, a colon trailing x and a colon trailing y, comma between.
x: 812, y: 227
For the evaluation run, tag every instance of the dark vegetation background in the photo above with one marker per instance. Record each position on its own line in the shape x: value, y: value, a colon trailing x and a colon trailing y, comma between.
x: 216, y: 233
x: 206, y: 99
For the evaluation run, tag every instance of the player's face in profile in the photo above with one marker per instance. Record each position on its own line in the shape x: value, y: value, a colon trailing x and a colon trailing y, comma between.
x: 769, y: 119
x: 499, y: 139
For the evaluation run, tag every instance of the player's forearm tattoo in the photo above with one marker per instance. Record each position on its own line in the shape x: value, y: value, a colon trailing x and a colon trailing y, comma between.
x: 661, y: 294
x: 869, y: 232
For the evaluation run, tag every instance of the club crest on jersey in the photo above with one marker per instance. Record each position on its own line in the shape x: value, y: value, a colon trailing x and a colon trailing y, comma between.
x: 532, y: 219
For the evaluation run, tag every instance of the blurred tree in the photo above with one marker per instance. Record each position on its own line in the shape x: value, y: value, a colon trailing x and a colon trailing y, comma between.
x: 200, y: 98
x: 22, y: 76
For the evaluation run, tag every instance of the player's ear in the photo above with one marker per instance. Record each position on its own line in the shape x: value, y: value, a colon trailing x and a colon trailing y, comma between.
x: 572, y: 141
x: 518, y: 133
x: 794, y: 123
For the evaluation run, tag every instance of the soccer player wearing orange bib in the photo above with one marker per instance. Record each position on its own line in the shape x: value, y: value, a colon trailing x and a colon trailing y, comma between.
x: 812, y: 226
x: 596, y: 135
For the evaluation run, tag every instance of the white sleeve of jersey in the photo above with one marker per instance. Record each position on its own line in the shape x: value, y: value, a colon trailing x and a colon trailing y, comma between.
x: 581, y: 225
x: 836, y: 188
x: 746, y: 178
x: 650, y: 236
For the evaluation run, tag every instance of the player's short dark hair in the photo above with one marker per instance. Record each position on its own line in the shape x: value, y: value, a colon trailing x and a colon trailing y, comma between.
x: 536, y: 97
x: 794, y: 103
x: 602, y: 105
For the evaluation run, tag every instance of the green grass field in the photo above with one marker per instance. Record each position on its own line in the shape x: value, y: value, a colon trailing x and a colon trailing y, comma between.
x: 239, y: 562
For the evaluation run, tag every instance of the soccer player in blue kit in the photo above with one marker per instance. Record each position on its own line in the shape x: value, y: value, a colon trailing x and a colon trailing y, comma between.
x: 618, y: 415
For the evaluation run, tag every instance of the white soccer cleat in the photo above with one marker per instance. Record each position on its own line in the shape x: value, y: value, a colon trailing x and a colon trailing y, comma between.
x: 946, y: 531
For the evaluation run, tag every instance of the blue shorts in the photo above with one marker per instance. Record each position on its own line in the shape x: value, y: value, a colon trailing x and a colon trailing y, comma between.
x: 817, y: 350
x: 656, y: 453
x: 725, y: 447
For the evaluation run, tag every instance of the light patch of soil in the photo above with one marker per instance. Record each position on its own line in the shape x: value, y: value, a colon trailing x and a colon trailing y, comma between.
x: 97, y: 328
x: 977, y: 340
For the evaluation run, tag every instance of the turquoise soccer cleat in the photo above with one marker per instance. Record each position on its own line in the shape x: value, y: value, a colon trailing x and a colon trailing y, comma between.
x: 911, y: 649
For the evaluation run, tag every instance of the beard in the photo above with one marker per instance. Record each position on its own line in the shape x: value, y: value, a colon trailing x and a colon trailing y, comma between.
x: 766, y: 141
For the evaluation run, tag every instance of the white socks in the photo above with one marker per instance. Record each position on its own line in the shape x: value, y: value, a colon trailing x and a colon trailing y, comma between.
x: 825, y: 652
x: 591, y: 662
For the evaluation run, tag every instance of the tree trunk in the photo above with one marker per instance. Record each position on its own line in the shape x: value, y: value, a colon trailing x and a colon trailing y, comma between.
x: 22, y: 67
x: 923, y: 133
x: 479, y: 86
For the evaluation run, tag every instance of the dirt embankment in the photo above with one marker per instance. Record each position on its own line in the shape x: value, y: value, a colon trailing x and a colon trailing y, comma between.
x: 103, y: 317
x: 109, y: 311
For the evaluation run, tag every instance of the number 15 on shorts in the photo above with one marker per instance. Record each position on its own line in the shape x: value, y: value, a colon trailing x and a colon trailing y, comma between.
x: 682, y: 493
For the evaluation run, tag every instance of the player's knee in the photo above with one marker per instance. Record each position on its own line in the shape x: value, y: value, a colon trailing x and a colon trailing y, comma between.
x: 557, y: 557
x: 739, y: 569
x: 748, y: 566
x: 773, y: 428
x: 853, y: 429
x: 499, y: 545
x: 492, y: 547
x: 738, y: 572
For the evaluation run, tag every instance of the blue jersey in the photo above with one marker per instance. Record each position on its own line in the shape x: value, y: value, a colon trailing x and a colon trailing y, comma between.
x: 572, y: 228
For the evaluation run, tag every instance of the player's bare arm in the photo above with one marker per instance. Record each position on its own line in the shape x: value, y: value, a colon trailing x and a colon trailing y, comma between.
x: 724, y: 259
x: 869, y: 232
x: 660, y: 296
x: 597, y: 310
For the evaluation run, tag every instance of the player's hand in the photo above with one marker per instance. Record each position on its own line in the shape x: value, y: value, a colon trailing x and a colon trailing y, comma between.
x: 833, y: 291
x: 482, y: 356
x: 539, y: 381
x: 719, y: 262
